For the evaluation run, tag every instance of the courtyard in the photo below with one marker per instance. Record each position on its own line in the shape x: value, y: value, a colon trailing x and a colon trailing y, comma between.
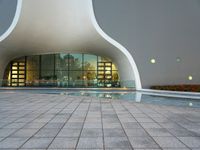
x: 52, y: 121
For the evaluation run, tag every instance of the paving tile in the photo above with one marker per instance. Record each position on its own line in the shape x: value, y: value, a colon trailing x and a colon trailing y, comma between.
x: 131, y: 125
x: 114, y: 133
x: 31, y: 149
x: 145, y: 119
x: 6, y: 132
x: 37, y: 143
x: 47, y: 133
x: 12, y: 142
x: 118, y: 149
x: 91, y: 132
x: 192, y: 142
x: 24, y: 133
x: 148, y: 125
x: 138, y: 115
x: 170, y: 125
x: 53, y: 125
x: 90, y: 143
x: 31, y: 112
x: 182, y: 132
x: 63, y: 143
x: 176, y: 149
x: 135, y: 132
x: 69, y: 132
x: 89, y: 149
x: 92, y: 125
x: 76, y: 119
x: 15, y: 125
x: 112, y: 125
x: 143, y: 142
x: 58, y: 120
x: 117, y: 142
x: 169, y: 142
x: 73, y: 125
x: 161, y: 119
x: 34, y: 125
x: 158, y: 132
x: 127, y: 119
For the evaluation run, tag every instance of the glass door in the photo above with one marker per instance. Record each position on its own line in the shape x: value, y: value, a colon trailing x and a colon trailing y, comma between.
x: 18, y: 73
x: 104, y: 74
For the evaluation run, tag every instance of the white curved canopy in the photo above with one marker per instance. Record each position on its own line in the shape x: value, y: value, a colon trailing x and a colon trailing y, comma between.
x: 52, y: 26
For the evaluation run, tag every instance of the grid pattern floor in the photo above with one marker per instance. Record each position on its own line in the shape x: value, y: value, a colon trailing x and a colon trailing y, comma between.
x: 47, y: 121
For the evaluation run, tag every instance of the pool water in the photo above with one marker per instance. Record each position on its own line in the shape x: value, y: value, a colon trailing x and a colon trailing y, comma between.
x: 138, y: 97
x: 142, y: 98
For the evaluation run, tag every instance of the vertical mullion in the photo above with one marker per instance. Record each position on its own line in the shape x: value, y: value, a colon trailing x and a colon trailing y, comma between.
x: 54, y: 71
x: 111, y: 72
x: 17, y: 73
x: 25, y: 70
x: 83, y: 68
x: 68, y: 69
x: 104, y: 74
x: 54, y: 67
x: 40, y: 66
x: 97, y: 71
x: 11, y: 81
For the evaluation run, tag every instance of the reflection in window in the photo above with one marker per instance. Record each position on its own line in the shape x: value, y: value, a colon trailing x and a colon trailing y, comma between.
x: 62, y: 61
x: 90, y: 78
x: 103, y: 59
x: 62, y: 78
x: 64, y: 70
x: 75, y: 61
x: 47, y: 62
x: 75, y: 78
x: 32, y: 78
x: 90, y: 62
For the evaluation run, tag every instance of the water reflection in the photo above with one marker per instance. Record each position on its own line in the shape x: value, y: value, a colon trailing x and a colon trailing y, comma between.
x: 142, y: 98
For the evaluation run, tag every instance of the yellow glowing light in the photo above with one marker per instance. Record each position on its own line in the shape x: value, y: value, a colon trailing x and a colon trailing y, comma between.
x: 108, y: 68
x: 190, y: 78
x: 14, y: 68
x: 108, y: 72
x: 153, y: 61
x: 14, y: 76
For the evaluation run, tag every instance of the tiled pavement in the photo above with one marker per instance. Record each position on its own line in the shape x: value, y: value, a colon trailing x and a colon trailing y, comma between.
x: 45, y: 121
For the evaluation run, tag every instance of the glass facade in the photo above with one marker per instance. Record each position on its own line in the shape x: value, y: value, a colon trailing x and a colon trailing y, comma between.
x: 63, y: 70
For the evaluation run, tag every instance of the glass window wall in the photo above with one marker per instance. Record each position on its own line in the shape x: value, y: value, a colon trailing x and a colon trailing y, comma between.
x: 67, y: 70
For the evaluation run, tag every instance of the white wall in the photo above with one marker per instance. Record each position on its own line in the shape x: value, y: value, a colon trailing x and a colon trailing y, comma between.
x: 160, y: 29
x: 53, y: 26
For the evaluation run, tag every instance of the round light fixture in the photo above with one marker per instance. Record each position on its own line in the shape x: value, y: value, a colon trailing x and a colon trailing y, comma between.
x: 153, y: 61
x: 190, y: 78
x: 190, y: 104
x: 178, y: 59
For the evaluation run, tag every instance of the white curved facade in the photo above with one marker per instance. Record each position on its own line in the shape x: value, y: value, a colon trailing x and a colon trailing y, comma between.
x: 52, y: 26
x: 167, y: 31
x: 164, y: 30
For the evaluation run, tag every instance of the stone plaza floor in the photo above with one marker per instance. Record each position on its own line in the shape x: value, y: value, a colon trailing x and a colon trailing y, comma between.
x: 47, y: 121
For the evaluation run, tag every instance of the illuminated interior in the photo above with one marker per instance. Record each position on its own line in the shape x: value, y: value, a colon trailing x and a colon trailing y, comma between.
x: 62, y: 70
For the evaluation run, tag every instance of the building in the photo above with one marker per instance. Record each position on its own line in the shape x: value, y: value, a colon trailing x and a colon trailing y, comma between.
x: 99, y: 43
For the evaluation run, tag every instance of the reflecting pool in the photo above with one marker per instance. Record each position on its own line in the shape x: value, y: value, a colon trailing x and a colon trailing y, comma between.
x: 141, y: 98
